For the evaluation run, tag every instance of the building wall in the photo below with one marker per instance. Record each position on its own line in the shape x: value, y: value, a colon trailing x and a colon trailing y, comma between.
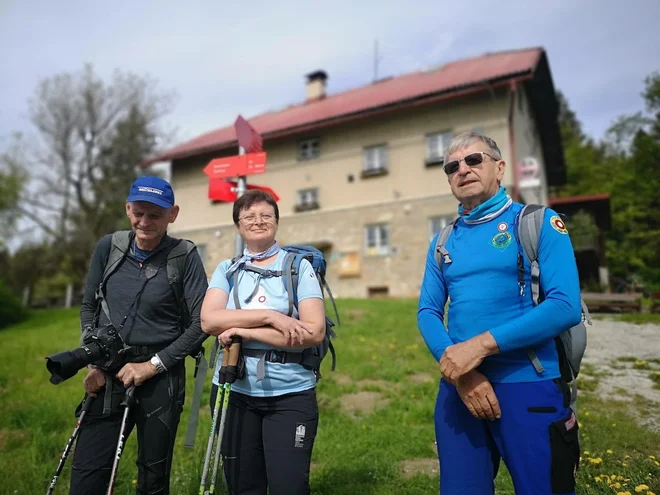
x: 404, y: 200
x: 528, y: 147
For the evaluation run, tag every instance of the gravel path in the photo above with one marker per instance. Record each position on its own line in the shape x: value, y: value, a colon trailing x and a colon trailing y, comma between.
x: 610, y: 340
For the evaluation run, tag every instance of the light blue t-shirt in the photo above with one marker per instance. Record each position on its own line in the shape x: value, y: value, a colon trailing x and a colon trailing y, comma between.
x: 280, y: 378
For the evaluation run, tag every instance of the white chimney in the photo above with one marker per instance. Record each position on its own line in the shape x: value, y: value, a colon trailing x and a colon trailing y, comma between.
x: 316, y: 85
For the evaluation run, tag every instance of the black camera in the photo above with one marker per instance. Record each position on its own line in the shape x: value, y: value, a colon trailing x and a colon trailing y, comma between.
x: 103, y: 347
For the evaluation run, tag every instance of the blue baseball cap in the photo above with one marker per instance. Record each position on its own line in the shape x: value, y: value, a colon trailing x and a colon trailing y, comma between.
x: 153, y: 190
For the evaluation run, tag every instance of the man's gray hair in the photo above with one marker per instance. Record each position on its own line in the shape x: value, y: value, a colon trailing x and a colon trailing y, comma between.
x: 467, y: 138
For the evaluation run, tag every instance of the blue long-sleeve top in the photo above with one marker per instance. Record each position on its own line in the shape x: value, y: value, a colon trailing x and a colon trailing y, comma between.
x: 482, y: 286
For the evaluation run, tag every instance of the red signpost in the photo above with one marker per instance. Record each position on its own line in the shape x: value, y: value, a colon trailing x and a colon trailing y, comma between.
x: 238, y: 166
x: 225, y: 190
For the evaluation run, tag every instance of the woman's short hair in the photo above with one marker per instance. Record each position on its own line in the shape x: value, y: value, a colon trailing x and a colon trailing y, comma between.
x: 253, y: 197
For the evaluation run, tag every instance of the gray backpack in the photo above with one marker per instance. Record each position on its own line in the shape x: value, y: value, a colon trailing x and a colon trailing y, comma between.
x: 572, y: 342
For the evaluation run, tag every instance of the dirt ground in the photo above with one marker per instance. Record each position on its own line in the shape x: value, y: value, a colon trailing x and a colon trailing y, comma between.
x: 621, y: 356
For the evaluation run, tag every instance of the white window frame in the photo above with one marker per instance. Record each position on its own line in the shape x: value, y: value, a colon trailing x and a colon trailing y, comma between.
x: 307, y: 197
x: 436, y: 144
x: 309, y: 149
x: 442, y: 220
x: 375, y: 158
x: 380, y: 233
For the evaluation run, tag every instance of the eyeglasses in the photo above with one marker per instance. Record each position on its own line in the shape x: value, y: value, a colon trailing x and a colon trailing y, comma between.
x: 252, y: 219
x: 471, y: 160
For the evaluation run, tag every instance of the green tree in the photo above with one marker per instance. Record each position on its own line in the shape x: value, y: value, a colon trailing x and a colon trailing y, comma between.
x: 91, y: 135
x: 12, y: 183
x: 627, y: 166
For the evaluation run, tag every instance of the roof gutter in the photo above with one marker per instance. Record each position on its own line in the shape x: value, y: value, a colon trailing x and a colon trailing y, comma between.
x: 312, y: 126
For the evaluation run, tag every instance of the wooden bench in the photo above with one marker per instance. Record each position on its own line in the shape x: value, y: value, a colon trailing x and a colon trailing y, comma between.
x: 597, y: 301
x: 655, y: 302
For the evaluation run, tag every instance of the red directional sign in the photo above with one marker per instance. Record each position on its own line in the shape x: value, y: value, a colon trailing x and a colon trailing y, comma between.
x: 224, y: 190
x: 255, y: 163
x: 236, y: 166
x: 230, y: 166
x: 247, y: 136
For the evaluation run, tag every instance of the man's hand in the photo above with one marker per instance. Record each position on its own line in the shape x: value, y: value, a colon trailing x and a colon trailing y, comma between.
x: 94, y: 381
x: 477, y: 394
x: 136, y: 373
x: 294, y: 331
x: 459, y: 359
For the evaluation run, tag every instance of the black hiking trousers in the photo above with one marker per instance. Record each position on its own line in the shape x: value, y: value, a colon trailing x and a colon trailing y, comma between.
x: 267, y: 442
x: 156, y: 413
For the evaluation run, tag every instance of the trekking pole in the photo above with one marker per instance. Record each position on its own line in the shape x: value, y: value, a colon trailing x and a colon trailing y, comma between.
x: 129, y: 399
x: 232, y: 371
x: 87, y: 402
x: 214, y: 421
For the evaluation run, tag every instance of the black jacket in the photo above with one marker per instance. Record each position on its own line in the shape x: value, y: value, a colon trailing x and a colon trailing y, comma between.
x: 153, y: 317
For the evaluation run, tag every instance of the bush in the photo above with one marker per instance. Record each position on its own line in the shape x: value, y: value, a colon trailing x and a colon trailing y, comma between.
x: 11, y: 309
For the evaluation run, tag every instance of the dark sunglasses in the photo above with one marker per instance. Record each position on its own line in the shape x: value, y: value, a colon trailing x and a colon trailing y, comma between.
x: 471, y: 160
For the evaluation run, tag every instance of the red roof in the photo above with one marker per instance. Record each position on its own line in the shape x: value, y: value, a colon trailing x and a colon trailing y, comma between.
x: 399, y: 90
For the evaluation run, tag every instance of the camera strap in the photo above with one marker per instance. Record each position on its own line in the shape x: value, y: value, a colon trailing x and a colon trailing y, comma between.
x: 151, y: 270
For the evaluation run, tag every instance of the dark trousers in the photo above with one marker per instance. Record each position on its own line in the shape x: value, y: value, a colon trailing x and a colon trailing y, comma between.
x: 268, y: 441
x: 156, y: 413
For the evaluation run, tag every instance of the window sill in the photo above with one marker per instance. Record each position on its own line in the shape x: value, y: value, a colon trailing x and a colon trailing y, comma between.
x: 434, y: 162
x: 378, y: 172
x: 377, y: 252
x: 306, y: 207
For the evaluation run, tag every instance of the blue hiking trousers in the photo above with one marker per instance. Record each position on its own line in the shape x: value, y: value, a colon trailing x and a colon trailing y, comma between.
x: 536, y: 436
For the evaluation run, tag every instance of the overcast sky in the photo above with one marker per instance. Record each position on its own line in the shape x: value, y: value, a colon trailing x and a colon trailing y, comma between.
x: 227, y: 57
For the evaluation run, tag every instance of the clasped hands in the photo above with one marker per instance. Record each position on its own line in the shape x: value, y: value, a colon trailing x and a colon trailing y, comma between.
x: 295, y: 332
x: 457, y: 366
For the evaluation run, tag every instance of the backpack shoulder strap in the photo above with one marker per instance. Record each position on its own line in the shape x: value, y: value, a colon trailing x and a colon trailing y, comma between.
x: 176, y: 268
x: 290, y: 269
x: 441, y: 253
x: 119, y: 245
x: 530, y: 223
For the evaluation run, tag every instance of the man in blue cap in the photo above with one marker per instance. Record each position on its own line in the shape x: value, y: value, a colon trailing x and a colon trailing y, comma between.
x: 150, y: 287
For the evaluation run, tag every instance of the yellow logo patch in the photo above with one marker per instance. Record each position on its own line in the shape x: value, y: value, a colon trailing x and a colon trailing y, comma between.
x: 558, y: 224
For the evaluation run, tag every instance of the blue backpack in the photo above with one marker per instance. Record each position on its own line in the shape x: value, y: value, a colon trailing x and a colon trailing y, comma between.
x: 309, y: 358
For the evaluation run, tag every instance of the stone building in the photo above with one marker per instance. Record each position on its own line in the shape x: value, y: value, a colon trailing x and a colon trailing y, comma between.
x: 359, y: 173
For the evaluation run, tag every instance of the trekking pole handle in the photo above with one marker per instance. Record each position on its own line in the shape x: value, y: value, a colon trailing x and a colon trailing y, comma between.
x: 234, y: 355
x: 234, y: 351
x: 129, y: 396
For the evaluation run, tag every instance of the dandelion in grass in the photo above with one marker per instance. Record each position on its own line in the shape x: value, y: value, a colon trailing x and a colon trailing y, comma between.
x: 641, y: 488
x: 609, y: 451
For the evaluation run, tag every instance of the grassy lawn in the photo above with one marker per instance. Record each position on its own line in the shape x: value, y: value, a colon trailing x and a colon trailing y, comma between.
x: 376, y: 430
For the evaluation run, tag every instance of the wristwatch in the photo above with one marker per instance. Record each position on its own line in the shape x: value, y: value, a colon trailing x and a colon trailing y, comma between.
x: 158, y: 364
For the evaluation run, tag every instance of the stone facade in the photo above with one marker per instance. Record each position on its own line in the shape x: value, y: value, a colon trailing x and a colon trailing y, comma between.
x: 402, y: 199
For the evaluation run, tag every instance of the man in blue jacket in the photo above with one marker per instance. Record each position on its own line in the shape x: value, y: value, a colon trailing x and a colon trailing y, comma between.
x: 492, y: 403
